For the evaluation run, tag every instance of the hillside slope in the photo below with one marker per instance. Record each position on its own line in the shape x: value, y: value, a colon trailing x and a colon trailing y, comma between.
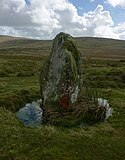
x: 89, y: 46
x: 21, y: 61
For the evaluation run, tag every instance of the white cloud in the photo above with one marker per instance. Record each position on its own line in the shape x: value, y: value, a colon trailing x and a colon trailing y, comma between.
x: 120, y: 30
x: 44, y: 19
x: 115, y: 3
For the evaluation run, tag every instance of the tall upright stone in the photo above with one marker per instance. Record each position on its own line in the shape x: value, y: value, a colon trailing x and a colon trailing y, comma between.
x: 61, y: 75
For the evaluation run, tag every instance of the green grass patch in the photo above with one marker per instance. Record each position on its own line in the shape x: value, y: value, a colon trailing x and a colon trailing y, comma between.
x: 100, y: 141
x: 106, y: 141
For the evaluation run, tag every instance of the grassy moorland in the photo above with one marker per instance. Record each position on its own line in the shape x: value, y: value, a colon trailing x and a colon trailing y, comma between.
x: 19, y: 83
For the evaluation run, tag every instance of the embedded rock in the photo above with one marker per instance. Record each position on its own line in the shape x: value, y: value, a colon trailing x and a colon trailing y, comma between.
x: 61, y: 75
x: 104, y: 103
x: 31, y: 114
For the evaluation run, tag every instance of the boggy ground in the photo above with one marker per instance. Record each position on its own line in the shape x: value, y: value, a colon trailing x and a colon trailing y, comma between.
x: 19, y: 83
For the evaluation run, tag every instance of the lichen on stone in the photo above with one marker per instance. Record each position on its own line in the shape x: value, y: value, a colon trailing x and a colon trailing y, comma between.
x: 61, y: 75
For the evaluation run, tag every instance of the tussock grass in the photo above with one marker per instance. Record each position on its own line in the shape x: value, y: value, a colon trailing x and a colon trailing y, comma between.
x: 82, y: 141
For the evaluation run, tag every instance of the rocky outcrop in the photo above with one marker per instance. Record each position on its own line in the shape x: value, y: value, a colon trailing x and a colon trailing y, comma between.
x: 61, y: 75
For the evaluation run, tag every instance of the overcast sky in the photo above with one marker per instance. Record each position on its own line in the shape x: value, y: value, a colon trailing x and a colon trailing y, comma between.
x: 43, y: 19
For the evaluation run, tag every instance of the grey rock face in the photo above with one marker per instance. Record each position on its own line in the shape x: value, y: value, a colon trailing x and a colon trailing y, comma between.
x: 31, y: 114
x: 104, y: 103
x: 61, y: 75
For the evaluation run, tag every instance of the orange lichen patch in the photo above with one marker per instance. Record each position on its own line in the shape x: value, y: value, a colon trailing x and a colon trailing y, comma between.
x: 64, y: 102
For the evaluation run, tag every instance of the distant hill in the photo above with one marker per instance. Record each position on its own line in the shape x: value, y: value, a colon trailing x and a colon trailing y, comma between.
x: 89, y: 46
x: 7, y: 38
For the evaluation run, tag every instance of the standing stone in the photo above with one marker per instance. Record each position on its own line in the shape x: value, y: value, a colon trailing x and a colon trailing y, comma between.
x: 61, y: 75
